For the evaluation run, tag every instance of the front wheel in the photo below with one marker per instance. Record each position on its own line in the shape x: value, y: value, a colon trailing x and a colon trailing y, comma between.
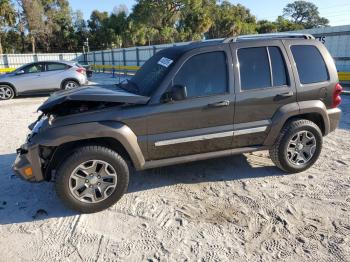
x: 6, y: 92
x: 298, y: 146
x: 92, y: 179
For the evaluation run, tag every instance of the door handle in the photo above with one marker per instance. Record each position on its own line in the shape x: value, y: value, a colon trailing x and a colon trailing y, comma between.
x: 285, y: 95
x: 219, y: 104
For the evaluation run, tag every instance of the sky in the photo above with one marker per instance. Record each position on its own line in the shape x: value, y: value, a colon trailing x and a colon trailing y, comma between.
x: 337, y: 11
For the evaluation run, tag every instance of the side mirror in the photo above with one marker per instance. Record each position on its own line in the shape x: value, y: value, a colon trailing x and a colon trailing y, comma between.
x: 21, y: 72
x: 177, y: 93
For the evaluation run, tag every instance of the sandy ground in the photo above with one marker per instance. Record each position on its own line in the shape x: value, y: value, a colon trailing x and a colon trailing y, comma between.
x: 238, y: 208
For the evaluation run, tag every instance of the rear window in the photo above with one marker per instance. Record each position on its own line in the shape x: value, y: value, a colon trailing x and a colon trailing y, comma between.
x: 310, y: 64
x: 56, y: 66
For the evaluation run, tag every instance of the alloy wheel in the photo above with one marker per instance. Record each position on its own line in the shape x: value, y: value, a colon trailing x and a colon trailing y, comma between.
x: 301, y: 148
x: 6, y: 92
x: 70, y: 85
x: 93, y: 181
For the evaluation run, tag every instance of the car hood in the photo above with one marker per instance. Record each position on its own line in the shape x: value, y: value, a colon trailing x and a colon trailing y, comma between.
x: 110, y: 94
x: 3, y: 76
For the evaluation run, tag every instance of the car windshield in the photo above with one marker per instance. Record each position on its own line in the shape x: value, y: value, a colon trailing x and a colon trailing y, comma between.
x: 151, y: 74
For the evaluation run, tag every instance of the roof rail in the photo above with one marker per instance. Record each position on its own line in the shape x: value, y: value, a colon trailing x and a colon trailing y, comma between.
x: 267, y: 36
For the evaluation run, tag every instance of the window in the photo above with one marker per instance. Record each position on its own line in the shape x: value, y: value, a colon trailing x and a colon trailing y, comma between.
x: 153, y: 72
x: 56, y: 66
x: 34, y: 68
x: 279, y: 71
x: 310, y: 64
x: 254, y: 68
x: 204, y: 74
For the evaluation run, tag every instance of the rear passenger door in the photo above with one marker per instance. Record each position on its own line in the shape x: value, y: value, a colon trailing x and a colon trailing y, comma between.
x: 263, y: 84
x: 53, y: 75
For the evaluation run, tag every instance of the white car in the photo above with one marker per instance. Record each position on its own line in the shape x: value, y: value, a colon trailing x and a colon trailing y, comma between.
x: 42, y: 77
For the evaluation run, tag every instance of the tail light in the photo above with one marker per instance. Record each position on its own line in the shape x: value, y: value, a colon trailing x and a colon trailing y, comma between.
x: 336, y: 95
x: 81, y: 70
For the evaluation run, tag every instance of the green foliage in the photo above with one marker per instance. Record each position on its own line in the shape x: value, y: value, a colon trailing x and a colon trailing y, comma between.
x: 231, y: 20
x: 305, y: 14
x: 51, y: 25
x: 7, y: 18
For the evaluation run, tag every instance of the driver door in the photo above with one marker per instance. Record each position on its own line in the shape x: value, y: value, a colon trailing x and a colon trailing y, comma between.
x: 203, y: 121
x: 29, y: 80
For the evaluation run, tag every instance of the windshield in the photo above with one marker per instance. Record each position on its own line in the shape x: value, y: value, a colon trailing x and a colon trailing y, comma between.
x: 151, y: 74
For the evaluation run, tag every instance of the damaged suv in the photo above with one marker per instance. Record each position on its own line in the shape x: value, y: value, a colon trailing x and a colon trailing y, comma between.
x: 199, y: 101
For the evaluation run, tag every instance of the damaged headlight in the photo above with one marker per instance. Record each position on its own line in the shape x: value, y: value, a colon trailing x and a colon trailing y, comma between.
x: 38, y: 125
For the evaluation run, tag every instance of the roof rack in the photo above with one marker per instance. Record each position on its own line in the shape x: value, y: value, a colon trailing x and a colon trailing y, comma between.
x: 267, y: 36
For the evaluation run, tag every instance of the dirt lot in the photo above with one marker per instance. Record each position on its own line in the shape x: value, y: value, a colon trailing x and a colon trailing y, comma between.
x: 233, y: 209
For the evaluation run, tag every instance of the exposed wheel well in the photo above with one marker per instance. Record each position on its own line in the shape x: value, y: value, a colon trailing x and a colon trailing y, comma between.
x: 69, y: 79
x: 10, y: 85
x: 313, y: 117
x: 59, y: 154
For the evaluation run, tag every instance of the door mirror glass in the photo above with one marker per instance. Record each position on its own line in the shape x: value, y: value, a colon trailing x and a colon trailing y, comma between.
x: 20, y: 72
x: 179, y: 92
x: 176, y: 93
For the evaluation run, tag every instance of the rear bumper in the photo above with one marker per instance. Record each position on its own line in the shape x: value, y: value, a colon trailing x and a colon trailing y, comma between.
x: 28, y: 159
x: 334, y: 118
x: 83, y: 79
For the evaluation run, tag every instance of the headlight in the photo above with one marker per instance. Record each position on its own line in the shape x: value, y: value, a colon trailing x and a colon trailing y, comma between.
x: 38, y: 125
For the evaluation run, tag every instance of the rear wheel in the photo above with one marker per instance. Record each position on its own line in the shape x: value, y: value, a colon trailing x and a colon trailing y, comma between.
x: 92, y: 179
x: 298, y: 146
x: 6, y: 92
x: 70, y: 84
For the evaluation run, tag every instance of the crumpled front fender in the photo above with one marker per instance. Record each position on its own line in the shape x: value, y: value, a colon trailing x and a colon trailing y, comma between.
x: 56, y: 136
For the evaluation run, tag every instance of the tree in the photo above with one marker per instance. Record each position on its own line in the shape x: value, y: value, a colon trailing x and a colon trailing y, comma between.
x: 80, y: 30
x: 305, y: 14
x: 196, y: 19
x: 265, y: 26
x: 157, y: 14
x: 230, y: 20
x: 284, y: 25
x: 51, y: 25
x: 58, y: 24
x: 120, y: 9
x: 34, y: 13
x: 7, y: 18
x: 103, y: 33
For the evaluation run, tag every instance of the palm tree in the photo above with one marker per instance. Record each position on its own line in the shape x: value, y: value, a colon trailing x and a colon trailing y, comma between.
x: 7, y: 17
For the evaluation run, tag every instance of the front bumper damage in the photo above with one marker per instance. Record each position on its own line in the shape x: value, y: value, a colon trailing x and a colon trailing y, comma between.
x: 28, y: 163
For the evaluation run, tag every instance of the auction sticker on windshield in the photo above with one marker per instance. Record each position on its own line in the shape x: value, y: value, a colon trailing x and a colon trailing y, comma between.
x: 166, y: 62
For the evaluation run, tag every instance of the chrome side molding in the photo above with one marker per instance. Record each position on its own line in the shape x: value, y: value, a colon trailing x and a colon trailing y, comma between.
x: 211, y: 136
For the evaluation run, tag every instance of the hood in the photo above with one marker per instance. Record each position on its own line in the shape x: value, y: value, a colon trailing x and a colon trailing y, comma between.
x: 107, y: 94
x: 2, y: 76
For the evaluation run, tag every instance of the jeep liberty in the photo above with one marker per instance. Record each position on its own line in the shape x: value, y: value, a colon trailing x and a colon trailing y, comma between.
x: 276, y: 92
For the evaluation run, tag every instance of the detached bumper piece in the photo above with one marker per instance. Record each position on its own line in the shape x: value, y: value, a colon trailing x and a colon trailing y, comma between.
x: 334, y: 118
x: 28, y: 164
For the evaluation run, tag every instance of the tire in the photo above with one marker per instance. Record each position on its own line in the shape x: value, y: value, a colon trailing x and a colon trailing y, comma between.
x: 288, y: 151
x: 67, y: 186
x: 6, y: 92
x: 70, y: 84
